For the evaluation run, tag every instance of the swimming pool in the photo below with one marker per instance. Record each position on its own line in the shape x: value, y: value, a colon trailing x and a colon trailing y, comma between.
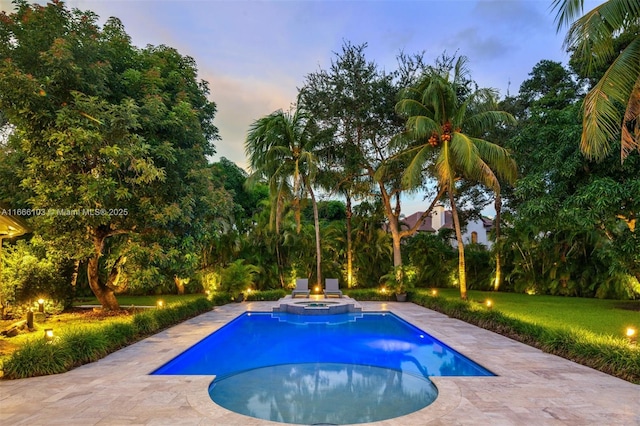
x: 261, y: 360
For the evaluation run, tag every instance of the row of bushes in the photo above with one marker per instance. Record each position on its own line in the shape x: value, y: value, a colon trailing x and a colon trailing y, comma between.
x: 85, y: 344
x: 614, y: 356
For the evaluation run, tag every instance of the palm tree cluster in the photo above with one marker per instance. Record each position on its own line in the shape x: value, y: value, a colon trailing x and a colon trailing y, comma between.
x: 442, y: 139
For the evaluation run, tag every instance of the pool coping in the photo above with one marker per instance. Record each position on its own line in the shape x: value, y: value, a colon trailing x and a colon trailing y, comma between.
x: 531, y: 387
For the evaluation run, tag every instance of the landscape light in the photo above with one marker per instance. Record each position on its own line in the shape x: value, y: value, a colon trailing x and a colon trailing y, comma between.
x: 489, y: 304
x: 317, y: 289
x: 41, y: 305
x: 48, y: 334
x: 434, y: 292
x: 632, y: 335
x: 159, y: 304
x: 383, y: 290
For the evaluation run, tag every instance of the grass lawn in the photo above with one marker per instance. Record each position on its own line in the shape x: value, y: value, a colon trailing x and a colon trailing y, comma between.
x: 86, y: 318
x: 126, y: 301
x: 599, y: 316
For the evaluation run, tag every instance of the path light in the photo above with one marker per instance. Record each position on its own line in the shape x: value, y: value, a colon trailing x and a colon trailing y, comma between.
x: 632, y: 335
x: 434, y: 292
x: 317, y: 289
x: 48, y: 334
x: 160, y: 304
x: 383, y: 290
x: 41, y: 305
x: 489, y: 304
x: 249, y: 291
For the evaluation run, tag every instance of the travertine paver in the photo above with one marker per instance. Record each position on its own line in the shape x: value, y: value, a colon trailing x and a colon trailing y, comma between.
x: 532, y: 388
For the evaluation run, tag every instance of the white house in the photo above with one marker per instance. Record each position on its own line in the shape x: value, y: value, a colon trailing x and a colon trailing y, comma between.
x: 477, y: 231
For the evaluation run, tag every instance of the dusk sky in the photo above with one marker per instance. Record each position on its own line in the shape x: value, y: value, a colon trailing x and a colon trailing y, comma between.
x: 255, y: 54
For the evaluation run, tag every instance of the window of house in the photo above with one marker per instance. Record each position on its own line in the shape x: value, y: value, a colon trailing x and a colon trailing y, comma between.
x: 474, y: 237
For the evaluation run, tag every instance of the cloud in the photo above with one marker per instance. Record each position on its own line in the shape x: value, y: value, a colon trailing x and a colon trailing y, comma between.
x: 240, y: 102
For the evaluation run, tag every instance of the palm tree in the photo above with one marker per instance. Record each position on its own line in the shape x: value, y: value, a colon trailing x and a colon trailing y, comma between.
x: 444, y: 121
x: 591, y: 36
x: 281, y: 147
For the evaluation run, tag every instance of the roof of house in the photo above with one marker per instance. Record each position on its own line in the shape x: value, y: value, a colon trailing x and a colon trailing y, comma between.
x: 426, y: 225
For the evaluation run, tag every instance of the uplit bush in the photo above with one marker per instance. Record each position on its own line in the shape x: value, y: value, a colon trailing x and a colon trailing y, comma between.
x: 30, y: 273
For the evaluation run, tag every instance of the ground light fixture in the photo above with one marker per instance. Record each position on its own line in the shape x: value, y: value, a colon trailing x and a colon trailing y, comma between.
x: 48, y: 334
x: 434, y: 292
x: 317, y: 289
x: 489, y: 304
x: 160, y: 304
x: 383, y: 290
x: 41, y: 305
x: 632, y: 335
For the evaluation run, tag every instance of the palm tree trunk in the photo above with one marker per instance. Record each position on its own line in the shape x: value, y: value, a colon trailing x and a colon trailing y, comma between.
x: 462, y: 274
x: 349, y: 245
x: 316, y: 220
x: 498, y: 279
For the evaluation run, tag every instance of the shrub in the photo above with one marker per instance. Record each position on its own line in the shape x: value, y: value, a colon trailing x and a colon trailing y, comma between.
x: 85, y: 344
x: 37, y: 357
x: 266, y: 295
x: 118, y: 335
x: 145, y: 323
x: 368, y: 294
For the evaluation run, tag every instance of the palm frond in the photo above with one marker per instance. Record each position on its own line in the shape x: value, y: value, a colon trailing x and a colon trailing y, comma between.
x: 422, y: 126
x: 631, y: 123
x: 464, y: 152
x: 412, y: 175
x: 602, y: 118
x: 481, y: 122
x: 498, y: 158
x: 567, y: 11
x: 444, y: 169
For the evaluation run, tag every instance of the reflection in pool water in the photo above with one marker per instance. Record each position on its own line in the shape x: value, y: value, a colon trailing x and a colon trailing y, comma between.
x: 313, y: 369
x: 323, y: 393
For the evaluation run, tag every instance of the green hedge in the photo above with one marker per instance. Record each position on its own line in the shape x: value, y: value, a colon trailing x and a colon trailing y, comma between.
x: 82, y: 345
x: 369, y: 294
x: 266, y: 295
x: 614, y: 356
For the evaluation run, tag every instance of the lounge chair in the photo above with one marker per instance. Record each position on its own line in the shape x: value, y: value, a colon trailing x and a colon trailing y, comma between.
x: 302, y: 287
x: 331, y: 287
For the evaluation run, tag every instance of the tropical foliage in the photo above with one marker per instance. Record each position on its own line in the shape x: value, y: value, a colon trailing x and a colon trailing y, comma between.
x: 612, y: 106
x: 142, y: 209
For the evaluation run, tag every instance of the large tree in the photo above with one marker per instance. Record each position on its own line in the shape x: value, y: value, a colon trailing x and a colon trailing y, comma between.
x: 355, y: 100
x: 445, y: 125
x: 114, y: 138
x: 612, y: 107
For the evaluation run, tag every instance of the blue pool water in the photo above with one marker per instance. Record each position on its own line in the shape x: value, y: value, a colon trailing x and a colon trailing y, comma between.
x: 261, y: 339
x: 322, y: 369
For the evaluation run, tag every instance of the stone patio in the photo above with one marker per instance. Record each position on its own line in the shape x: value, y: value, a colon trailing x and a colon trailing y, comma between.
x: 532, y: 388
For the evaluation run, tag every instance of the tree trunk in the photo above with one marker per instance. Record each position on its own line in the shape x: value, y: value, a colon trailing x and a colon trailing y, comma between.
x: 74, y: 277
x: 462, y: 274
x: 349, y: 245
x: 316, y: 220
x: 105, y: 294
x: 179, y: 284
x: 498, y: 279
